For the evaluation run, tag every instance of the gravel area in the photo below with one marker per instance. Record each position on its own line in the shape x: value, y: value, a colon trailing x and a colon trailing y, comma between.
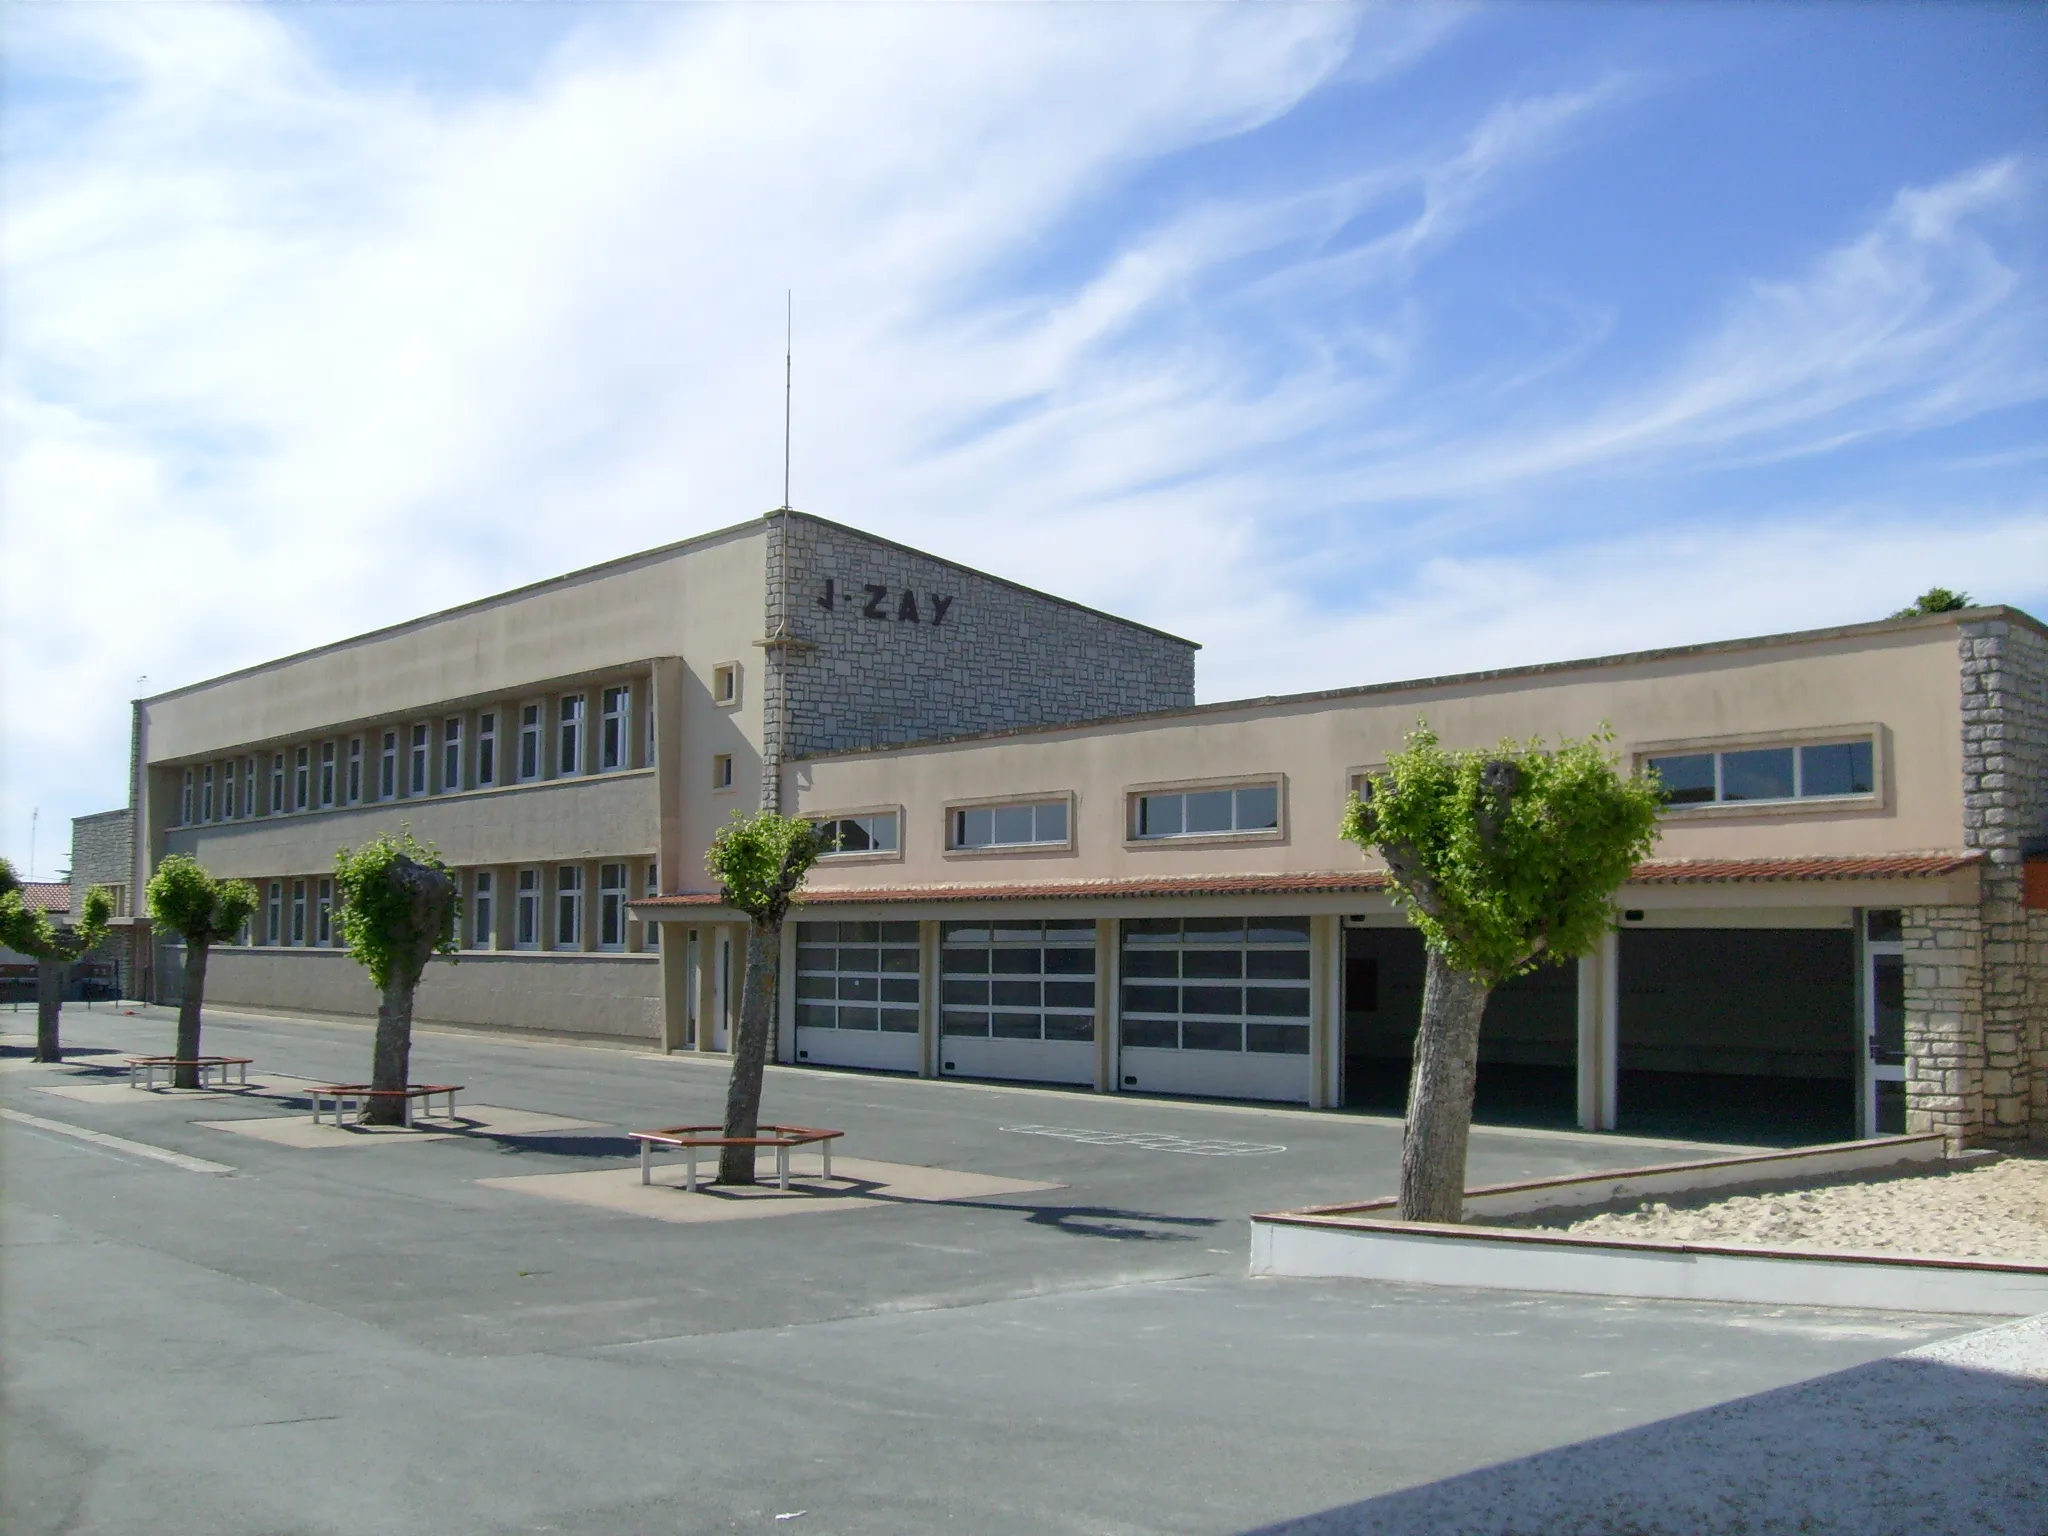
x: 1992, y: 1210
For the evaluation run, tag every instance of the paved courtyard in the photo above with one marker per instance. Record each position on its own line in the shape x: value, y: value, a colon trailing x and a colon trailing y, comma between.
x: 1028, y: 1314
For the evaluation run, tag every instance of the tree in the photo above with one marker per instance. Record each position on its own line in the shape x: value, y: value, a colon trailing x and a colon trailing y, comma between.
x: 1505, y: 860
x: 1934, y: 600
x: 53, y: 946
x: 203, y: 912
x: 399, y: 908
x: 759, y: 862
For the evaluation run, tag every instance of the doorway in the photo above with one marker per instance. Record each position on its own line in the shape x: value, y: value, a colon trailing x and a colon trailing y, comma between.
x: 1884, y: 1023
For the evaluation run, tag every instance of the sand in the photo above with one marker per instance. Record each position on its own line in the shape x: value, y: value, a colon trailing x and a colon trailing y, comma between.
x: 1993, y: 1210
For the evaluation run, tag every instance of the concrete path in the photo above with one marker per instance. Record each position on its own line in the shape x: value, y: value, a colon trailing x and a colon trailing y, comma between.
x: 392, y: 1339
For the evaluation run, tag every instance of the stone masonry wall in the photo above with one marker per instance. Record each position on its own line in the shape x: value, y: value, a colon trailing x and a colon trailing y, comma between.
x: 1945, y: 1071
x: 904, y: 647
x: 103, y: 853
x: 2005, y: 812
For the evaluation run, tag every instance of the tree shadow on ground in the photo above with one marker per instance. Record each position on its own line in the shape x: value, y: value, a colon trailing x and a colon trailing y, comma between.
x: 555, y: 1143
x: 1908, y: 1444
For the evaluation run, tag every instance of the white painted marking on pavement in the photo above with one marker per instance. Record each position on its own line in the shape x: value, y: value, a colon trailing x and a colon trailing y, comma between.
x: 118, y: 1143
x: 1153, y: 1141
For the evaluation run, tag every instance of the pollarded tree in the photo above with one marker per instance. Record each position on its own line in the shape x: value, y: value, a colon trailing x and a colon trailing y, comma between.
x: 1506, y: 860
x: 53, y: 946
x: 399, y: 908
x: 203, y: 912
x: 759, y: 862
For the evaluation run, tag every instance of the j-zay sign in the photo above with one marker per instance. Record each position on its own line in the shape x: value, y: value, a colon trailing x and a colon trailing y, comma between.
x: 880, y: 604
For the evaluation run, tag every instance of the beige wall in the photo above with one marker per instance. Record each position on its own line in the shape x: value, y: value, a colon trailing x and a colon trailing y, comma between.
x: 1903, y: 679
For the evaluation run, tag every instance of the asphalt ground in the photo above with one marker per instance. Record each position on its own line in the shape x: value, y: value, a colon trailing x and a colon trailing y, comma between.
x: 370, y: 1340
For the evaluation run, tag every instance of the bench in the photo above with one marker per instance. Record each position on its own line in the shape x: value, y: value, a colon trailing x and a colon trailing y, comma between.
x: 359, y: 1095
x: 690, y: 1139
x: 146, y: 1067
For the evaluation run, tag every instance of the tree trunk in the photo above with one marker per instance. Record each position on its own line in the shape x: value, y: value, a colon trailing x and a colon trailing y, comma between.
x: 49, y: 1010
x: 1440, y: 1094
x: 188, y: 1014
x: 391, y: 1060
x: 750, y: 1052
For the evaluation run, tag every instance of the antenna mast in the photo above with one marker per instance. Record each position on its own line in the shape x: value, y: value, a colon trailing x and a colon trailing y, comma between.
x: 788, y: 352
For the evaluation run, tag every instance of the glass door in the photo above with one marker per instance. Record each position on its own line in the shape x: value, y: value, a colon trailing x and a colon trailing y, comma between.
x: 1884, y: 1023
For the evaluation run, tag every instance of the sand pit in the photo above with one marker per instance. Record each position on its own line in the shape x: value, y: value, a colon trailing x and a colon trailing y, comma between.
x: 1994, y: 1210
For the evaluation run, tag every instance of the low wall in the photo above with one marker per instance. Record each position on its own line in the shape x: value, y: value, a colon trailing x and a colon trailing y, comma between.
x: 612, y: 995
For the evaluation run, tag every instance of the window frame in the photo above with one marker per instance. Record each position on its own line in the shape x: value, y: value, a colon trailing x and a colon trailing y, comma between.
x: 419, y: 758
x: 329, y: 779
x: 723, y: 776
x: 650, y: 932
x: 955, y: 810
x: 864, y: 855
x: 353, y: 785
x: 1136, y: 794
x: 483, y: 910
x: 1878, y: 798
x: 725, y: 684
x: 452, y: 734
x: 572, y: 735
x: 302, y: 779
x: 273, y: 915
x: 387, y: 765
x: 526, y: 907
x: 207, y: 803
x: 533, y: 722
x: 298, y: 915
x: 569, y: 904
x: 615, y: 728
x: 487, y: 749
x: 323, y: 914
x: 611, y: 904
x: 277, y: 785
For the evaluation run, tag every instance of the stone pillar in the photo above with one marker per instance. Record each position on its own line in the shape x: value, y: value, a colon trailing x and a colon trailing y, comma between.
x: 1599, y: 1034
x: 1945, y: 1040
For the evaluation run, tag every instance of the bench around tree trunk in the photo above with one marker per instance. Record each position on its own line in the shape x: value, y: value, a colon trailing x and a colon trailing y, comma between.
x: 146, y: 1067
x: 690, y: 1139
x: 359, y: 1095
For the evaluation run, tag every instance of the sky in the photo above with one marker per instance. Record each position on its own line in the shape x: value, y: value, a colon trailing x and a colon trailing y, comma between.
x: 1356, y: 342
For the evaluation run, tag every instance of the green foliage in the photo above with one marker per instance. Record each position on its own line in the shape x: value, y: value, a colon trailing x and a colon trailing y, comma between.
x: 1934, y: 600
x: 29, y: 932
x: 1506, y: 859
x: 184, y: 898
x: 391, y: 918
x: 760, y: 861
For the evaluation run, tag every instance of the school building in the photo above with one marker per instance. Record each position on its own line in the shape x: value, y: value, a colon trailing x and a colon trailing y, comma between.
x: 1048, y: 864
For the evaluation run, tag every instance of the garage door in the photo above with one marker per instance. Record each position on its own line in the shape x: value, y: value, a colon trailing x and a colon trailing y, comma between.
x: 1018, y: 1000
x: 856, y: 995
x: 1216, y: 1006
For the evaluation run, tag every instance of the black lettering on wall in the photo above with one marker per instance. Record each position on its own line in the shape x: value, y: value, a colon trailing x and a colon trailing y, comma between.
x: 906, y: 611
x: 939, y: 607
x: 829, y: 598
x: 877, y: 595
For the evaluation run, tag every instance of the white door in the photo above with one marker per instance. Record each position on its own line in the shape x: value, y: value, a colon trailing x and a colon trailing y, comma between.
x: 1215, y: 1006
x: 1884, y: 1024
x: 857, y: 995
x: 1017, y: 1000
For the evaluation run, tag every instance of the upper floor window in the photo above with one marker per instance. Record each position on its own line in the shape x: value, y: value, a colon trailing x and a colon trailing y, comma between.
x: 273, y: 913
x: 387, y: 767
x: 1207, y: 812
x: 486, y: 749
x: 529, y: 742
x: 355, y: 769
x: 569, y: 906
x: 323, y: 913
x: 871, y: 833
x: 326, y: 773
x: 451, y: 753
x: 611, y: 906
x: 248, y: 786
x: 206, y: 793
x: 302, y: 778
x: 569, y: 739
x: 1816, y: 771
x: 276, y: 783
x: 480, y: 910
x: 1023, y: 825
x: 526, y: 911
x: 228, y: 798
x: 725, y: 683
x: 185, y: 806
x: 613, y: 744
x: 298, y: 911
x: 416, y: 768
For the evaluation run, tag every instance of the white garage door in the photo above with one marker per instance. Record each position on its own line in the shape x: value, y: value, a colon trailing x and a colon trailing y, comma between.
x: 1216, y: 1006
x: 1017, y: 1000
x: 856, y: 995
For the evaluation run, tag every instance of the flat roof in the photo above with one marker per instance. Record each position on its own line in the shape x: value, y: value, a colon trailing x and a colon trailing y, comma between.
x: 1464, y: 679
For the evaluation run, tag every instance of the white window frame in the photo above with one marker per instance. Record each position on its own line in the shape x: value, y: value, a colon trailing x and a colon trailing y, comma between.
x: 451, y: 754
x: 958, y: 813
x: 298, y: 914
x: 273, y: 917
x: 568, y: 906
x: 329, y: 774
x: 1136, y: 796
x: 323, y: 913
x: 248, y: 787
x: 482, y: 910
x: 721, y: 772
x: 870, y: 816
x: 571, y: 738
x: 487, y: 749
x: 277, y: 785
x: 206, y: 796
x: 526, y: 912
x: 531, y: 765
x: 725, y: 684
x: 419, y: 764
x: 230, y: 802
x: 185, y: 801
x: 650, y: 933
x: 302, y: 778
x: 387, y: 765
x: 1879, y: 738
x: 615, y: 732
x: 354, y: 786
x: 611, y: 905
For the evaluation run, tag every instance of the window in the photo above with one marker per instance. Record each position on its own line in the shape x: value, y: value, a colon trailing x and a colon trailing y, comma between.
x: 569, y: 738
x: 355, y: 770
x: 857, y: 976
x: 650, y: 933
x: 298, y: 911
x: 615, y: 742
x: 526, y: 911
x: 480, y: 910
x: 273, y: 915
x: 486, y: 749
x: 721, y: 771
x: 228, y: 802
x: 326, y: 773
x: 277, y: 783
x: 323, y: 913
x: 302, y: 778
x: 248, y: 786
x: 1216, y: 984
x: 451, y: 754
x: 185, y: 806
x: 1021, y: 980
x: 569, y: 907
x: 1820, y: 771
x: 529, y: 742
x: 725, y: 683
x: 873, y: 833
x: 611, y: 906
x: 416, y: 768
x: 387, y: 767
x: 206, y: 793
x: 1208, y: 812
x: 1009, y: 826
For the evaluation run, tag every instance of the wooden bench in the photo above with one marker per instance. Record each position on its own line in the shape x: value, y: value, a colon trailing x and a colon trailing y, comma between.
x: 146, y: 1067
x: 690, y: 1139
x: 359, y: 1096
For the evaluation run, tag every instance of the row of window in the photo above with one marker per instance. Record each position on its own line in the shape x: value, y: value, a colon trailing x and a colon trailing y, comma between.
x: 536, y: 907
x: 1194, y: 984
x: 602, y: 730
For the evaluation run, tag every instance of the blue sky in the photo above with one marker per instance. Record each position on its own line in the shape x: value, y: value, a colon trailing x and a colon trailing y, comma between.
x: 1355, y: 342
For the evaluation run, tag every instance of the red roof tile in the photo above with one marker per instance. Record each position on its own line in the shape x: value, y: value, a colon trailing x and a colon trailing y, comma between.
x: 46, y: 896
x: 1654, y: 872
